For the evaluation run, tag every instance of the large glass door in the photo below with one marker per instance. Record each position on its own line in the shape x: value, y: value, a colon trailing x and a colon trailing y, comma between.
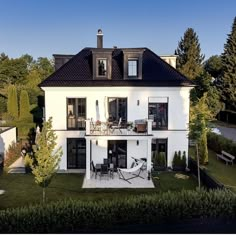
x: 160, y: 146
x: 117, y: 153
x: 117, y: 108
x: 76, y: 153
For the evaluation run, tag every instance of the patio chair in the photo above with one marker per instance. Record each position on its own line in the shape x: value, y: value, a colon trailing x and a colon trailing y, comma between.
x: 113, y: 127
x: 111, y: 170
x: 104, y: 171
x: 131, y: 171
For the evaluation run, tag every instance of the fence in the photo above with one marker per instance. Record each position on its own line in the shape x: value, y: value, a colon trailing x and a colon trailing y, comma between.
x: 206, y: 179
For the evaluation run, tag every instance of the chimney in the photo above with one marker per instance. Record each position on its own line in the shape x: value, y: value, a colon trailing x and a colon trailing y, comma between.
x: 99, y: 39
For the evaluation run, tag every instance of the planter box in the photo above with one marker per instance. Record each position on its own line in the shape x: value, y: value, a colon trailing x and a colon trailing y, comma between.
x: 178, y: 168
x: 159, y: 168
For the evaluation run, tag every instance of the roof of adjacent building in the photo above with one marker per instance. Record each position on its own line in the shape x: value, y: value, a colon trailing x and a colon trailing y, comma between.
x: 77, y: 72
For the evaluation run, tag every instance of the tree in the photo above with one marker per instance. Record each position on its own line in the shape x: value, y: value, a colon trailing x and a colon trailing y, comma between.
x: 227, y: 83
x: 213, y: 66
x: 46, y: 159
x: 12, y: 102
x: 199, y: 116
x: 25, y: 107
x: 189, y: 60
x: 44, y: 67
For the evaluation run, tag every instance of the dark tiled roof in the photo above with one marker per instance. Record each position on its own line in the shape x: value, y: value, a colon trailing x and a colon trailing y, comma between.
x: 78, y: 72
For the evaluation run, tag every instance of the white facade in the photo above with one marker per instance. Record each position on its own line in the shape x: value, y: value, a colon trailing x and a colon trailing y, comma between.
x: 7, y: 137
x: 138, y: 99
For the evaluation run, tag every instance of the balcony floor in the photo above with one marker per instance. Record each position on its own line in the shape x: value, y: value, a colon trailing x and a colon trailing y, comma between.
x: 107, y: 182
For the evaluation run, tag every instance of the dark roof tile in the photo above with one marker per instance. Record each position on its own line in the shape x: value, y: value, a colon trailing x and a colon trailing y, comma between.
x: 78, y: 72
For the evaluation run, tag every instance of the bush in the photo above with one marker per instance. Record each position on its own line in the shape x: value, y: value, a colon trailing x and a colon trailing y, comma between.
x: 159, y: 160
x: 73, y: 216
x: 179, y: 162
x: 218, y: 143
x: 12, y: 154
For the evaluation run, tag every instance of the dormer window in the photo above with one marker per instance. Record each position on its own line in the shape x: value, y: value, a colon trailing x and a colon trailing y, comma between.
x: 133, y: 67
x: 132, y: 63
x: 102, y: 67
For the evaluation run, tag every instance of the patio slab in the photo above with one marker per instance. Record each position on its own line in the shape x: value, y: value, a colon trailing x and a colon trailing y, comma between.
x: 107, y: 182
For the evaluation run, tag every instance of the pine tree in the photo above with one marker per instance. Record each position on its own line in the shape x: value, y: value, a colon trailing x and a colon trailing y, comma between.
x: 189, y: 60
x: 12, y: 103
x: 25, y: 107
x: 46, y: 157
x: 227, y: 83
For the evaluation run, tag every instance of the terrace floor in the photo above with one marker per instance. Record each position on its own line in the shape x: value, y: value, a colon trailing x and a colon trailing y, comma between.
x: 115, y: 182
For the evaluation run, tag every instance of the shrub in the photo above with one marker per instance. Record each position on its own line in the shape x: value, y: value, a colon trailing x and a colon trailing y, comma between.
x: 12, y: 154
x: 179, y: 162
x: 218, y: 143
x: 161, y: 159
x: 73, y: 216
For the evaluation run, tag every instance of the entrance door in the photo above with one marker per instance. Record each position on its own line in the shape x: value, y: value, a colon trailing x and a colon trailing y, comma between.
x: 117, y: 153
x: 160, y: 145
x: 76, y: 153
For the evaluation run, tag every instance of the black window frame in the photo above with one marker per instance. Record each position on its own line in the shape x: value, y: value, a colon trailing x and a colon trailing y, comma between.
x: 167, y: 115
x: 76, y: 115
x: 124, y: 119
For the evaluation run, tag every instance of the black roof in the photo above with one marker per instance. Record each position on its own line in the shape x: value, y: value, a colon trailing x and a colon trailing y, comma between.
x: 77, y: 72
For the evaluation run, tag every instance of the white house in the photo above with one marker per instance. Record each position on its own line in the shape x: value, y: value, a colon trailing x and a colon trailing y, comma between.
x: 109, y: 85
x: 7, y: 137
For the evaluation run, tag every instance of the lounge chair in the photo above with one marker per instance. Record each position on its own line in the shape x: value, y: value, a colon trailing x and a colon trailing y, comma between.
x: 138, y: 168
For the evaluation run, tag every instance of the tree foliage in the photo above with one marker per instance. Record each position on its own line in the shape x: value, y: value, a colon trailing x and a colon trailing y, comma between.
x: 46, y: 156
x: 227, y: 83
x: 12, y: 102
x: 25, y: 107
x: 189, y: 60
x: 213, y: 66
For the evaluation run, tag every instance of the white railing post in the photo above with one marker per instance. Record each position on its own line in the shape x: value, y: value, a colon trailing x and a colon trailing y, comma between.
x: 149, y: 126
x: 88, y: 156
x: 87, y: 127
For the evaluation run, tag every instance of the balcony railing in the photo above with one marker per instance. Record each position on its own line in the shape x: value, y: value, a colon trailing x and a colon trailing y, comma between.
x: 109, y: 128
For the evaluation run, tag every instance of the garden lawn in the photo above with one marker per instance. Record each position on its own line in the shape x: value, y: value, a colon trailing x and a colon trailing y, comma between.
x: 22, y: 191
x: 225, y: 174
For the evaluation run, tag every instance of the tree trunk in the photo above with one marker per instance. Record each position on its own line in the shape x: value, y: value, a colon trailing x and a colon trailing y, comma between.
x: 198, y: 168
x: 44, y: 195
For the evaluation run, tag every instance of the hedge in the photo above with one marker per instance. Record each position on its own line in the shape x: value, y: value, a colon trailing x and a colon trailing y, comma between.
x: 218, y: 143
x: 74, y: 216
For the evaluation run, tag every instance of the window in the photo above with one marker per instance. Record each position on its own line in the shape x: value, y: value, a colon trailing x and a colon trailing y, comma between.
x: 158, y: 112
x: 117, y: 108
x: 132, y: 68
x: 102, y: 67
x: 76, y: 113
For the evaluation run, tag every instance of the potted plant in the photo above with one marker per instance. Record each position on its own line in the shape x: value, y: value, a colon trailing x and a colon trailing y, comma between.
x: 179, y: 162
x: 129, y: 125
x: 159, y: 161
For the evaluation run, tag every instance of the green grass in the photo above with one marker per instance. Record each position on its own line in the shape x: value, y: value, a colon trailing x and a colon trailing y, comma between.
x: 225, y: 174
x: 21, y: 189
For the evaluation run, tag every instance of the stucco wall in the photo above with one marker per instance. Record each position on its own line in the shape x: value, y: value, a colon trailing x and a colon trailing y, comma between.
x: 7, y: 136
x: 178, y: 117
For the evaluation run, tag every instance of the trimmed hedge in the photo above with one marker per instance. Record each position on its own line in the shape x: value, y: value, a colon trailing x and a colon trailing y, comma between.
x: 71, y: 216
x: 218, y: 143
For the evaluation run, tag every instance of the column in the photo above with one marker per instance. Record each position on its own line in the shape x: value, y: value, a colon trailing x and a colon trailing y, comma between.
x: 88, y: 141
x: 87, y: 127
x: 149, y: 154
x: 149, y: 126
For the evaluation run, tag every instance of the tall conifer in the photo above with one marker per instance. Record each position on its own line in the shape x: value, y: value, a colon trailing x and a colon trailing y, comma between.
x: 189, y: 60
x: 227, y: 83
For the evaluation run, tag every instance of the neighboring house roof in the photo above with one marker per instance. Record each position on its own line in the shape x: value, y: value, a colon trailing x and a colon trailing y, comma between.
x: 77, y: 72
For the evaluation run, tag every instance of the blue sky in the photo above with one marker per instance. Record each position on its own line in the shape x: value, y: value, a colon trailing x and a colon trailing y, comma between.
x: 45, y: 27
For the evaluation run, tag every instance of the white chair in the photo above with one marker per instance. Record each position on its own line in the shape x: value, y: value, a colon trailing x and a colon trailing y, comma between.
x: 113, y: 127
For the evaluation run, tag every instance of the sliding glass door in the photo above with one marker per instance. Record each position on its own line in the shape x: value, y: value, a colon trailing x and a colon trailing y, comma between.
x: 117, y: 108
x: 117, y: 153
x: 76, y: 153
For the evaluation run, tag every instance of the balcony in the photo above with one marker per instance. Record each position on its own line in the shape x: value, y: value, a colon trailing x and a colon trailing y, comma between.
x: 136, y: 128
